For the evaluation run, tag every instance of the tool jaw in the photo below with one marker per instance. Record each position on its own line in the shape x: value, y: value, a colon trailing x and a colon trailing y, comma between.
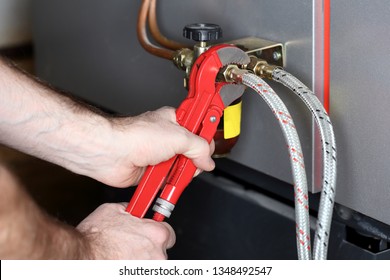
x: 230, y: 93
x: 232, y: 55
x: 207, y: 68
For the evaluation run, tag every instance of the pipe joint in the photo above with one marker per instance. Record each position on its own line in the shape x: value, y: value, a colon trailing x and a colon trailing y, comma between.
x: 261, y: 68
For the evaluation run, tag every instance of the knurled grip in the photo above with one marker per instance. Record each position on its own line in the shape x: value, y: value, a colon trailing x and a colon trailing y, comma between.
x: 202, y: 32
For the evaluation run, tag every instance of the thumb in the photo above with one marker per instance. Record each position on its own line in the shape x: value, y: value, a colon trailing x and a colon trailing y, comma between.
x: 199, y: 151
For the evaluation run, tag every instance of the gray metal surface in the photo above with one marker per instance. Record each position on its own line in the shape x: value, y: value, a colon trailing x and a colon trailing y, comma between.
x: 15, y: 22
x: 90, y: 48
x: 360, y: 67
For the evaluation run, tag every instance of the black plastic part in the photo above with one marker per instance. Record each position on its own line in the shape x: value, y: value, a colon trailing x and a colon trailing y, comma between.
x: 202, y: 32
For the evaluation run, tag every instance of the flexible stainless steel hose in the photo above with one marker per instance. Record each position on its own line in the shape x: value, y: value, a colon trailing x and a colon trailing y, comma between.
x: 325, y: 211
x: 297, y: 163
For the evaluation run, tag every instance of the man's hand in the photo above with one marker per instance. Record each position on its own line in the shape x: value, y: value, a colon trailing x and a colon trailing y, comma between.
x: 149, y: 139
x: 114, y: 234
x: 37, y: 120
x: 109, y: 232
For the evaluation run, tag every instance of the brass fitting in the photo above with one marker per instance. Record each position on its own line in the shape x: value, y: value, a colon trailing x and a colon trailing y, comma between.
x: 233, y: 74
x: 183, y: 59
x: 260, y: 67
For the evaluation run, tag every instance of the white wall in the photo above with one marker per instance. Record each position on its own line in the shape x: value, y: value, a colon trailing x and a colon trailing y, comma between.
x: 15, y: 22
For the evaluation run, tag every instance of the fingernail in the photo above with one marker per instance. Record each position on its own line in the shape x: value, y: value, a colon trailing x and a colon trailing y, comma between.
x: 211, y: 164
x: 197, y: 172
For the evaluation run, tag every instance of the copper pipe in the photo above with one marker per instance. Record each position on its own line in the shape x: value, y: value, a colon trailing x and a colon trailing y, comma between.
x: 143, y: 37
x: 155, y: 31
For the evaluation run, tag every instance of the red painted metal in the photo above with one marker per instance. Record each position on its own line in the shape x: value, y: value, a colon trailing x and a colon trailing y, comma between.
x: 195, y: 113
x: 326, y: 54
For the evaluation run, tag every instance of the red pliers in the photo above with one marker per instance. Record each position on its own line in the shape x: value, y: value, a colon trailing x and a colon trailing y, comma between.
x: 200, y: 113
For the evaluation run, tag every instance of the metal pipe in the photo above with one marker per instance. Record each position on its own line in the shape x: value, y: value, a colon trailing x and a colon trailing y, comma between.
x: 156, y: 33
x: 143, y: 37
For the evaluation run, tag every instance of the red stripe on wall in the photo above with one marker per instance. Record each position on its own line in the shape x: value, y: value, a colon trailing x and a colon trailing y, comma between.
x: 326, y: 53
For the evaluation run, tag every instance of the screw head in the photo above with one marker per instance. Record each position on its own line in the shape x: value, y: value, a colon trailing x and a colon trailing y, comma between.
x: 276, y: 56
x: 213, y: 119
x: 259, y: 52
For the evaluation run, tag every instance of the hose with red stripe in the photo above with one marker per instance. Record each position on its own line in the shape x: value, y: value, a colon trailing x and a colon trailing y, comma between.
x: 322, y: 119
x: 297, y: 163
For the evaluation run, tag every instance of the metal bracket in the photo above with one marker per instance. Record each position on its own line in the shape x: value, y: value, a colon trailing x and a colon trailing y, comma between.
x: 270, y: 51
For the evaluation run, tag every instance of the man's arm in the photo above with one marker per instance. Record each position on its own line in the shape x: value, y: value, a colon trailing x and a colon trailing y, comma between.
x: 38, y: 121
x: 108, y: 233
x: 27, y: 233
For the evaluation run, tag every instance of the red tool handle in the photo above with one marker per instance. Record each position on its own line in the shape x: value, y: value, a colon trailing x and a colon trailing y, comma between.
x: 199, y: 113
x: 182, y: 173
x: 147, y: 189
x: 184, y: 168
x: 153, y: 178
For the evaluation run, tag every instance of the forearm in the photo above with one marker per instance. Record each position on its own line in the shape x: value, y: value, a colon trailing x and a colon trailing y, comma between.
x: 38, y: 121
x: 28, y: 233
x: 51, y: 126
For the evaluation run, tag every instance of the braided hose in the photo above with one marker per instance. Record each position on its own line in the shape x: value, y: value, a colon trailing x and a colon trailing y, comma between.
x: 329, y: 159
x: 298, y: 169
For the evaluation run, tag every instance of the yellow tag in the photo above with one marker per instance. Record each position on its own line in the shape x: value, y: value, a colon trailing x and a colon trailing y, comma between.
x: 232, y: 121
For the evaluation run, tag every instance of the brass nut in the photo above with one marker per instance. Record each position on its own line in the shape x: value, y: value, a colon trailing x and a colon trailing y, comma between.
x: 233, y: 74
x: 256, y: 65
x: 260, y: 67
x: 183, y: 58
x: 227, y: 73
